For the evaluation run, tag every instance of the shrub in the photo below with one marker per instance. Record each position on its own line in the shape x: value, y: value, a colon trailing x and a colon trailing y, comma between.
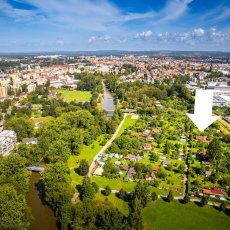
x: 186, y: 199
x: 107, y: 191
x: 204, y: 201
x: 170, y: 196
x: 154, y: 196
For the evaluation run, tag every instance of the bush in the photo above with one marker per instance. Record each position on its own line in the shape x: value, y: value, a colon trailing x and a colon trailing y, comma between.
x: 156, y: 183
x: 83, y: 168
x: 170, y: 196
x: 96, y: 187
x: 154, y: 196
x: 107, y: 191
x: 204, y: 201
x: 186, y: 199
x: 122, y: 194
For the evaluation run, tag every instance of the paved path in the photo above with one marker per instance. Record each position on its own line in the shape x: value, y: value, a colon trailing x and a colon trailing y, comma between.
x: 93, y: 164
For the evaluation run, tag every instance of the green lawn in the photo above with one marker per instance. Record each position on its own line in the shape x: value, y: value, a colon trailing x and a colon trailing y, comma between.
x: 115, y: 184
x: 42, y: 119
x: 129, y: 122
x: 162, y: 215
x: 74, y: 95
x: 118, y: 203
x: 88, y: 153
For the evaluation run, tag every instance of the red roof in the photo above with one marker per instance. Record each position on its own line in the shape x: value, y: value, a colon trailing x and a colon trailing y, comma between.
x: 214, y: 191
x: 200, y: 138
x: 155, y: 169
x: 124, y: 167
x: 147, y: 146
x: 203, y: 154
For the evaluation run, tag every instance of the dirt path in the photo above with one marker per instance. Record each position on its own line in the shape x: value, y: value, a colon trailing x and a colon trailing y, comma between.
x: 93, y: 164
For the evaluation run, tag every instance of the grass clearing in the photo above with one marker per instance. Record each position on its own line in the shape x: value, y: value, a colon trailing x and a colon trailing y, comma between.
x: 74, y: 95
x: 88, y: 153
x: 163, y: 215
x: 118, y: 203
x: 114, y: 184
x: 129, y: 122
x: 42, y: 119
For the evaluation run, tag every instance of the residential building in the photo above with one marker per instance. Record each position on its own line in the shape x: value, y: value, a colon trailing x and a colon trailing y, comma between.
x: 221, y: 100
x: 8, y: 139
x: 3, y: 91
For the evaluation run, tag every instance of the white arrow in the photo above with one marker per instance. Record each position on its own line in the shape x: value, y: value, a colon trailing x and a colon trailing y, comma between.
x: 202, y: 116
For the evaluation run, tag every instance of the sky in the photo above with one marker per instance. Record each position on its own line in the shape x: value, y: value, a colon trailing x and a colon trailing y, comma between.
x: 134, y: 25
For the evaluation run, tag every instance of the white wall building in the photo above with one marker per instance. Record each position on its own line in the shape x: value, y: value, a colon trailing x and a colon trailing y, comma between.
x: 8, y: 139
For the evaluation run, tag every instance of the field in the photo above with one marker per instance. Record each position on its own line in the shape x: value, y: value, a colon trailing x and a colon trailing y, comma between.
x: 88, y: 153
x: 79, y: 96
x: 162, y: 215
x: 128, y: 123
x: 118, y: 203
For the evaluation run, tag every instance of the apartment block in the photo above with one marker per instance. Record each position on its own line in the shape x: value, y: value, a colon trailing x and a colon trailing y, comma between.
x: 8, y: 140
x: 3, y: 91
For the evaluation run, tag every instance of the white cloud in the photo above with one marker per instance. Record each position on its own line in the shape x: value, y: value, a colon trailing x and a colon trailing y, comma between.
x: 163, y: 36
x: 105, y: 38
x: 218, y: 36
x: 218, y: 14
x: 94, y: 15
x: 92, y: 39
x: 172, y: 11
x: 199, y: 32
x: 144, y: 35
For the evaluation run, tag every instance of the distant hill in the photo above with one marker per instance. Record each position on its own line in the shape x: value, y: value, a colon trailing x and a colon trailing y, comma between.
x: 123, y: 52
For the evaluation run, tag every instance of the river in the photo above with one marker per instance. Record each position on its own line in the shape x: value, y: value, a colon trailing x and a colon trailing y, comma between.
x: 108, y: 102
x: 43, y: 217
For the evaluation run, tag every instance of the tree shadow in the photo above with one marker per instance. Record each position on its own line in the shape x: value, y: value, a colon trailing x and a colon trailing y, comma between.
x: 77, y: 170
x: 165, y: 199
x: 198, y: 203
x: 40, y: 187
x: 181, y: 201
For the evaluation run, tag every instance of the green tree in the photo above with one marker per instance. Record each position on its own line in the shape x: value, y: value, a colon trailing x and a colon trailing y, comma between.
x: 135, y: 218
x: 87, y: 190
x: 142, y: 193
x: 215, y: 151
x: 96, y: 187
x: 83, y: 167
x: 204, y: 201
x: 122, y: 194
x: 154, y: 196
x: 13, y: 171
x: 21, y: 125
x: 181, y: 168
x: 13, y: 209
x: 186, y: 199
x: 107, y: 191
x: 170, y: 196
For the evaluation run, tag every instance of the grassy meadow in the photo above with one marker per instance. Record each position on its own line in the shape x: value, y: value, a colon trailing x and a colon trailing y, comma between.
x: 79, y: 96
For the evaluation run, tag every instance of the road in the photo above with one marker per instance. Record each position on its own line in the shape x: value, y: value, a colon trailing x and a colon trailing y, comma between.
x: 93, y: 164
